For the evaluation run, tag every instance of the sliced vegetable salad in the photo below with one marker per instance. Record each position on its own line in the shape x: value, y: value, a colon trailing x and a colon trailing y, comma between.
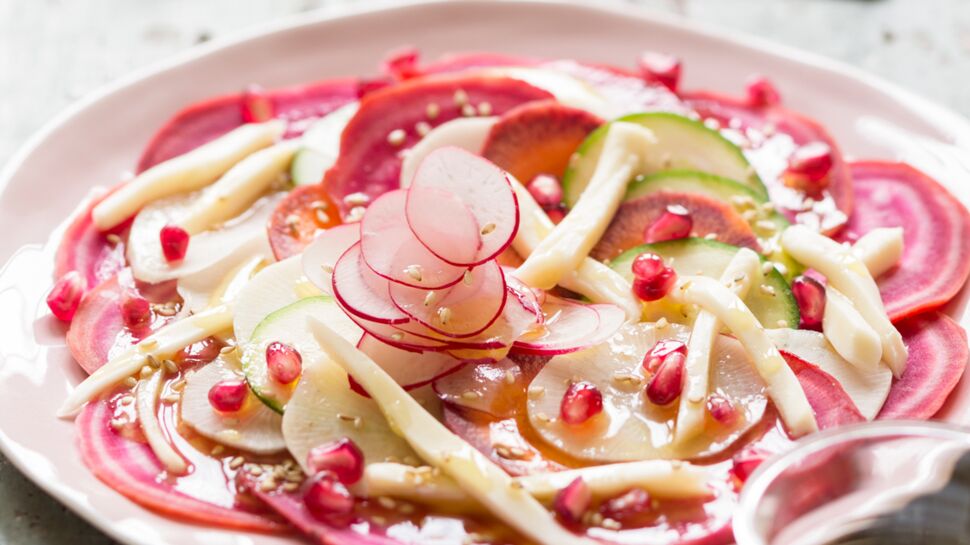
x: 493, y: 299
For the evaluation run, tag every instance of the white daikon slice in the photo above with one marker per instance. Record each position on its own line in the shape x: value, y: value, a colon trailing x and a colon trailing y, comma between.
x: 467, y: 133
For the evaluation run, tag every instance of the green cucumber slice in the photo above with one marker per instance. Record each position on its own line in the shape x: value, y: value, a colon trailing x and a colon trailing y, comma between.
x: 321, y: 146
x: 771, y: 302
x: 684, y: 143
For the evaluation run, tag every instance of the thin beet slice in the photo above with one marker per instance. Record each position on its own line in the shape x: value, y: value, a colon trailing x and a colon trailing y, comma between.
x: 298, y: 218
x: 831, y: 405
x: 936, y: 231
x: 362, y: 292
x: 87, y: 250
x: 709, y: 216
x: 369, y: 159
x: 937, y: 359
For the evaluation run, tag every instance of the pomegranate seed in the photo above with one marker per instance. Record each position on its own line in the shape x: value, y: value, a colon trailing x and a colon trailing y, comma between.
x: 675, y: 223
x: 136, y: 311
x: 652, y: 279
x: 556, y: 214
x: 256, y: 106
x: 228, y: 396
x: 721, y: 409
x: 545, y: 189
x: 342, y: 457
x: 368, y: 86
x: 283, y: 362
x: 571, y: 502
x: 402, y: 63
x: 813, y: 160
x: 667, y: 383
x: 761, y: 92
x: 581, y: 402
x: 660, y: 68
x: 65, y: 296
x: 200, y: 353
x: 628, y: 506
x: 744, y: 463
x: 175, y: 242
x: 810, y: 296
x: 656, y: 355
x: 327, y: 498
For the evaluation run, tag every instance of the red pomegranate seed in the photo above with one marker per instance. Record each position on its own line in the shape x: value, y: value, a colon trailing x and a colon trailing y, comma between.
x: 66, y: 295
x: 368, y: 86
x: 136, y: 311
x: 256, y: 105
x: 581, y: 402
x: 721, y: 409
x: 545, y: 189
x: 744, y: 463
x: 402, y: 63
x: 630, y: 505
x: 283, y: 362
x: 761, y: 92
x: 342, y: 457
x: 652, y: 278
x: 656, y: 355
x: 228, y: 396
x: 175, y: 242
x: 571, y: 502
x: 809, y: 167
x: 675, y: 223
x: 200, y: 353
x: 667, y: 383
x: 327, y: 498
x: 660, y: 68
x: 556, y: 214
x: 810, y: 296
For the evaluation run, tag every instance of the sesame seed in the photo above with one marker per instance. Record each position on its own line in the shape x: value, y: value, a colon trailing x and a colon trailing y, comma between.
x: 767, y: 290
x: 255, y: 471
x: 396, y: 137
x: 712, y: 124
x: 468, y: 110
x: 178, y: 385
x: 357, y: 199
x: 467, y: 278
x: 322, y: 217
x: 146, y: 372
x: 596, y: 519
x: 406, y: 508
x: 386, y: 502
x: 461, y: 97
x: 767, y: 267
x: 268, y: 485
x: 397, y: 336
x: 485, y: 108
x: 677, y: 209
x: 444, y: 314
x: 710, y: 236
x: 488, y: 228
x: 429, y: 298
x: 543, y: 417
x: 236, y: 462
x: 148, y: 344
x: 509, y: 376
x: 432, y: 110
x: 535, y: 392
x: 470, y: 395
x: 517, y: 485
x: 291, y: 487
x: 170, y: 366
x: 611, y: 524
x: 217, y: 450
x: 130, y: 382
x: 625, y: 379
x: 226, y: 349
x: 171, y: 398
x: 414, y: 271
x: 662, y: 323
x: 742, y: 201
x: 117, y: 423
x: 113, y: 239
x: 358, y: 422
x: 749, y: 215
x: 345, y: 417
x: 768, y: 206
x: 422, y: 128
x: 782, y: 323
x: 766, y: 225
x: 503, y: 451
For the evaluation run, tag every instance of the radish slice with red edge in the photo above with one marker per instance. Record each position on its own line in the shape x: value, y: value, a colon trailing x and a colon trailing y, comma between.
x: 570, y: 326
x: 362, y: 292
x: 483, y: 187
x: 442, y: 222
x: 482, y: 387
x: 463, y: 310
x: 394, y: 335
x: 407, y: 368
x: 391, y: 250
x: 936, y: 228
x: 321, y: 256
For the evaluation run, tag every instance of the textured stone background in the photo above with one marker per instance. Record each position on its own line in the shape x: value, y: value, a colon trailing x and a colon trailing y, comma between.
x: 54, y: 51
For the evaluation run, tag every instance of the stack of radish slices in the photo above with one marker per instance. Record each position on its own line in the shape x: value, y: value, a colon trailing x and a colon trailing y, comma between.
x: 419, y: 272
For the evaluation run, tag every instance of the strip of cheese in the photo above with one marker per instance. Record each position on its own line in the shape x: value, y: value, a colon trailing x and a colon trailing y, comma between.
x: 478, y: 476
x: 564, y: 249
x: 162, y: 344
x: 847, y: 273
x: 783, y: 386
x: 146, y: 402
x: 851, y: 336
x: 240, y: 187
x: 880, y: 249
x: 189, y: 172
x: 743, y: 271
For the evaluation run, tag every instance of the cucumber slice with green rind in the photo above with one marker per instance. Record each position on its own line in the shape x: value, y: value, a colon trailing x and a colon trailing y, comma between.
x: 321, y: 146
x: 771, y: 301
x: 683, y: 143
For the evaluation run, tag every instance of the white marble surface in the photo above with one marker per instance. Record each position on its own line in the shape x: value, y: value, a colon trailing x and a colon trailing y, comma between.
x: 54, y: 51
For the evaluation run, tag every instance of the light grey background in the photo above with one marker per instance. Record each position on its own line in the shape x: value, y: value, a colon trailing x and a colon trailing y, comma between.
x: 54, y: 51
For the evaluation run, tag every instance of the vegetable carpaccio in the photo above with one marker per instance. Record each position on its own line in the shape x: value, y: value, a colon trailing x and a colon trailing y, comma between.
x: 357, y: 295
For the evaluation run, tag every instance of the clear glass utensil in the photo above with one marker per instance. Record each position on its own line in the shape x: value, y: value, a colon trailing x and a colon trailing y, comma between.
x: 882, y: 483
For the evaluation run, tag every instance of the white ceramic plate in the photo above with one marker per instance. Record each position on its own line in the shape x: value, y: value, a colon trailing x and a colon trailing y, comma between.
x: 98, y: 139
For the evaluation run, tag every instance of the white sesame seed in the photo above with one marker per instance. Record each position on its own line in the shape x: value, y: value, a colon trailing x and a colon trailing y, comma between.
x: 467, y: 278
x: 113, y: 239
x: 509, y: 376
x: 468, y: 110
x: 236, y: 462
x: 217, y: 450
x: 677, y: 209
x: 662, y: 323
x: 782, y: 323
x: 767, y: 290
x: 766, y: 225
x: 422, y: 128
x: 535, y: 392
x: 396, y: 137
x: 130, y: 382
x: 432, y: 110
x: 414, y: 271
x: 444, y: 314
x: 461, y: 97
x: 710, y: 236
x: 429, y: 298
x: 485, y: 108
x: 358, y: 198
x: 488, y: 228
x: 397, y: 336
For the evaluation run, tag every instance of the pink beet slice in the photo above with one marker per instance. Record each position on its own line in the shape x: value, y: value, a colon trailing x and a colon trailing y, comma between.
x: 85, y: 249
x: 832, y: 406
x: 369, y: 159
x: 769, y: 154
x: 362, y: 292
x: 130, y: 468
x: 98, y: 328
x: 937, y: 358
x: 936, y: 231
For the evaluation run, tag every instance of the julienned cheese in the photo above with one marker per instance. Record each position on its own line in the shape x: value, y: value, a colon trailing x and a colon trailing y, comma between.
x: 743, y: 270
x: 570, y: 242
x: 185, y: 173
x: 478, y: 476
x: 851, y: 336
x: 783, y: 386
x: 146, y: 401
x: 880, y: 249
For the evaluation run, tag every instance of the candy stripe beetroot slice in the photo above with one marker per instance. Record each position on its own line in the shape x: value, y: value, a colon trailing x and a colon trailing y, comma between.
x: 130, y: 468
x: 298, y: 218
x: 442, y: 222
x: 85, y: 249
x: 391, y: 249
x: 362, y: 292
x: 385, y: 125
x: 937, y: 359
x: 321, y: 256
x: 936, y: 231
x: 831, y: 405
x: 98, y: 327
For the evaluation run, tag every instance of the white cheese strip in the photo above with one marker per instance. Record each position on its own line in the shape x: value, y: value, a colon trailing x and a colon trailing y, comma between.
x: 564, y: 249
x: 418, y: 484
x: 237, y: 190
x: 660, y: 478
x: 846, y: 273
x: 467, y: 133
x: 189, y: 172
x: 851, y: 336
x: 478, y: 476
x: 146, y: 402
x: 783, y: 386
x: 162, y: 344
x: 880, y: 249
x: 743, y: 271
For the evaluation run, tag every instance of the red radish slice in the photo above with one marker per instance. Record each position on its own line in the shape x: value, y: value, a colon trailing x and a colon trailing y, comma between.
x: 831, y: 405
x: 395, y: 335
x: 362, y: 292
x: 484, y: 189
x: 571, y: 326
x: 936, y: 228
x: 391, y: 250
x: 85, y: 249
x: 937, y: 359
x: 369, y: 159
x: 409, y: 369
x: 298, y: 218
x: 463, y: 310
x: 130, y: 468
x: 442, y: 222
x: 321, y: 256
